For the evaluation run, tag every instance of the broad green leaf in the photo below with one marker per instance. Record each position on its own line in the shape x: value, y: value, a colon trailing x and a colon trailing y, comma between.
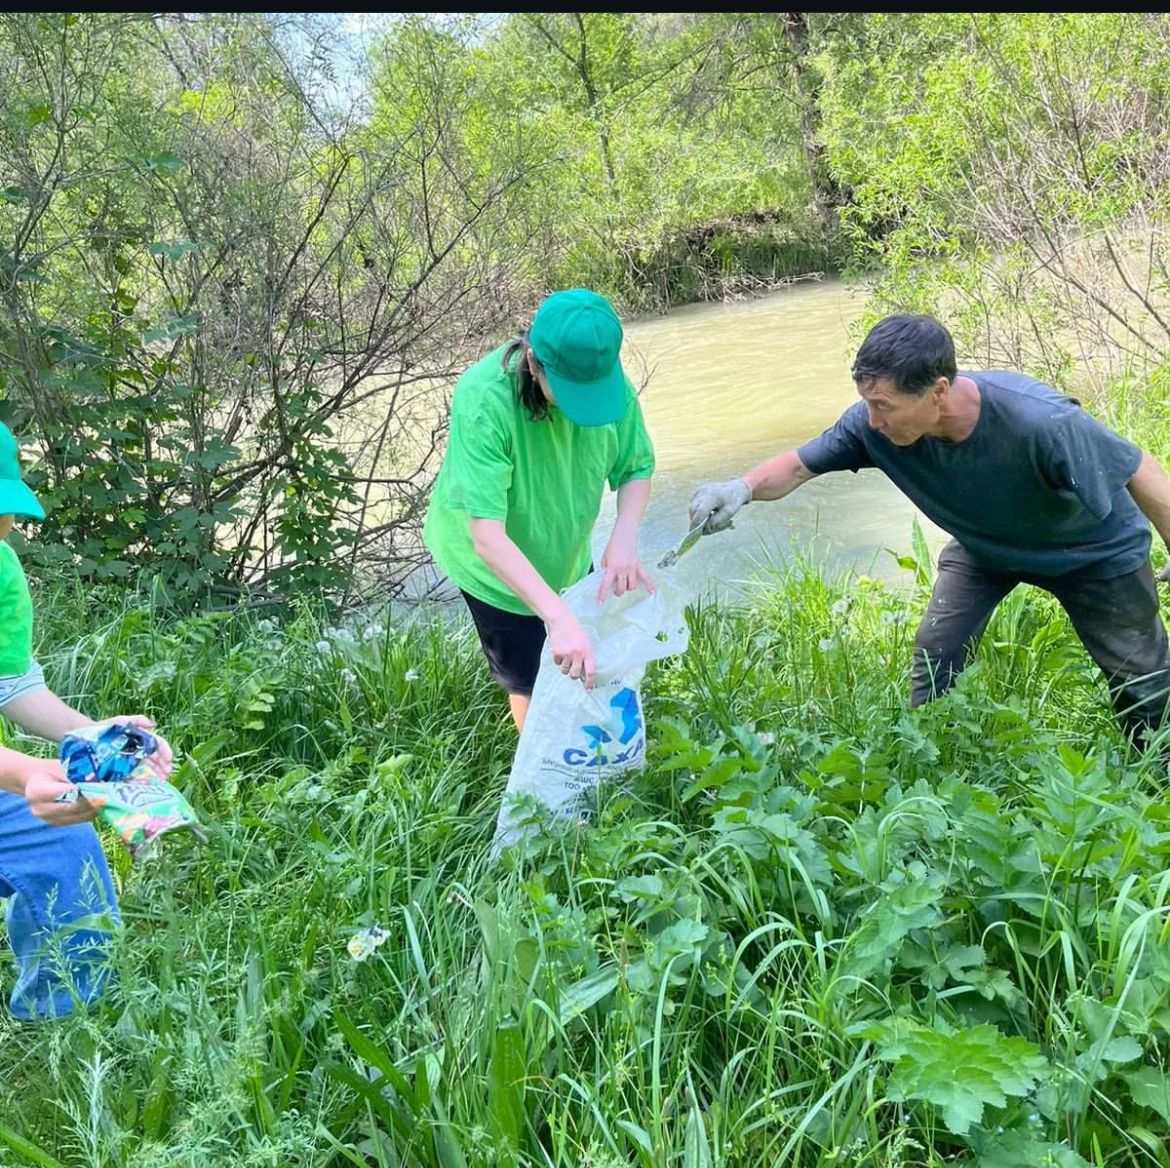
x: 1150, y: 1087
x: 639, y: 1135
x: 880, y: 935
x: 681, y: 937
x: 373, y: 1055
x: 27, y: 1149
x: 506, y: 1070
x: 638, y: 888
x: 959, y: 1073
x: 587, y: 992
x: 447, y: 1149
x: 696, y: 1149
x: 1020, y: 1150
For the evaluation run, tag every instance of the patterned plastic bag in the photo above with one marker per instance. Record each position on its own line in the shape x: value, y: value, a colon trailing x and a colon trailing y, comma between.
x: 108, y: 764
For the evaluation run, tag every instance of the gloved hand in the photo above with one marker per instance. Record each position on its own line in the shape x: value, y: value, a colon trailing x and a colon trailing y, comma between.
x: 1163, y: 577
x: 721, y: 501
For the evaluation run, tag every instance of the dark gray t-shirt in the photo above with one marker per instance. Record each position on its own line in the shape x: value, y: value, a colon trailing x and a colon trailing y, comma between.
x: 1037, y: 488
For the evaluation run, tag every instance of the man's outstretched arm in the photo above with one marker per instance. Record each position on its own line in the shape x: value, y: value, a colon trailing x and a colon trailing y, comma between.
x: 773, y: 479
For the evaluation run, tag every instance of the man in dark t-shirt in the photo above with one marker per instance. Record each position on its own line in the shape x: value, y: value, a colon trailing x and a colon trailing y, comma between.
x: 1031, y: 487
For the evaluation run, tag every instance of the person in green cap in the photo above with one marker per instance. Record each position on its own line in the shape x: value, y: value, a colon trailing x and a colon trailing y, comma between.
x: 61, y: 902
x: 538, y: 427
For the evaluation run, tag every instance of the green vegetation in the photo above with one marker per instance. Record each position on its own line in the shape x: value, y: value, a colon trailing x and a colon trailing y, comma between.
x: 231, y: 304
x: 820, y: 930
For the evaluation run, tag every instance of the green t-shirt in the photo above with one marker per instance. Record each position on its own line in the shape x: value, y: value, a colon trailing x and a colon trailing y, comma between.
x: 543, y: 480
x: 16, y: 616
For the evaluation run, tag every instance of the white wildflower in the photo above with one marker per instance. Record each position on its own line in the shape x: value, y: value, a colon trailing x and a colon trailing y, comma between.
x: 410, y: 675
x: 365, y: 942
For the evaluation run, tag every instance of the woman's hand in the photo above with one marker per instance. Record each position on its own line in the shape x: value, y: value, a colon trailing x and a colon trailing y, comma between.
x: 44, y: 785
x: 570, y: 646
x: 162, y: 758
x: 623, y: 571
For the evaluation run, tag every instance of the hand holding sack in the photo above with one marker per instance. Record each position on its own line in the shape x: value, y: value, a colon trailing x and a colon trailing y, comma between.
x: 576, y: 739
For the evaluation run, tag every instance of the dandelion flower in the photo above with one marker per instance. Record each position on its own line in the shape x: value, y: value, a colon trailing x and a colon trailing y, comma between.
x: 825, y: 644
x: 840, y: 607
x: 324, y: 648
x: 410, y: 675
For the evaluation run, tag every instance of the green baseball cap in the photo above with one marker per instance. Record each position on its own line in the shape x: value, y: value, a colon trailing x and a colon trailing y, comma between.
x: 15, y: 497
x: 576, y: 336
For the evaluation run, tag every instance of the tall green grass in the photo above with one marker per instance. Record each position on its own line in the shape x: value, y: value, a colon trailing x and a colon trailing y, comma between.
x: 821, y: 929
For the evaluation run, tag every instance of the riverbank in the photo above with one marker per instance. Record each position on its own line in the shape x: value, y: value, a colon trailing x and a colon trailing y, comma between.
x: 821, y: 926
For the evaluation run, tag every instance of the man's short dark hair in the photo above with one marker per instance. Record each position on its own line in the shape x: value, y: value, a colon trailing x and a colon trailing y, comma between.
x: 912, y: 351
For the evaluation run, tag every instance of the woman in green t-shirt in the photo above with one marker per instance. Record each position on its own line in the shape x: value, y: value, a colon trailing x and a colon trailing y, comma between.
x: 538, y: 427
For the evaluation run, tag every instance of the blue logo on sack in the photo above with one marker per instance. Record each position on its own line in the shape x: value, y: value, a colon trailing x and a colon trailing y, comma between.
x: 625, y: 702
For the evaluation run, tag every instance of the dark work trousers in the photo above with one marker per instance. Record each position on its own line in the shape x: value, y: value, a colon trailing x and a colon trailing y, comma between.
x: 1117, y: 621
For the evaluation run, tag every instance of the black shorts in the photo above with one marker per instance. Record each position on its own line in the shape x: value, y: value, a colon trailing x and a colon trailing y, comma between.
x: 511, y: 643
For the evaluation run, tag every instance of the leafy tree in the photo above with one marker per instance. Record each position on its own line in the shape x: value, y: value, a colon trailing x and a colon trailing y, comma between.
x: 227, y: 315
x: 1009, y: 171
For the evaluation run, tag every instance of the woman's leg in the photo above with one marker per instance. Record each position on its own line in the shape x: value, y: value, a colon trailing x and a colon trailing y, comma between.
x: 512, y: 644
x: 61, y: 908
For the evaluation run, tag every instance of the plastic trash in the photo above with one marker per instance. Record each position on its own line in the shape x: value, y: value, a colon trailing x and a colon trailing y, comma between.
x: 575, y: 739
x: 108, y: 764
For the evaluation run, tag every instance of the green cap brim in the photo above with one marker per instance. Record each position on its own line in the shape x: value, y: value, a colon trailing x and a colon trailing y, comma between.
x: 17, y: 499
x: 590, y: 403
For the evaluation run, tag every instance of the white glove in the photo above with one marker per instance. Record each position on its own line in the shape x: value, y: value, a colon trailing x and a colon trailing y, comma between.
x: 719, y: 501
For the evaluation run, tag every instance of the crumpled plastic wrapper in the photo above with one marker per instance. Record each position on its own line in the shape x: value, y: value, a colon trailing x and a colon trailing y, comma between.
x: 108, y: 764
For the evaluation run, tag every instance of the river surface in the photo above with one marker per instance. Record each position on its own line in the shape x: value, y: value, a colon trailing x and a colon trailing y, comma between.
x: 729, y: 385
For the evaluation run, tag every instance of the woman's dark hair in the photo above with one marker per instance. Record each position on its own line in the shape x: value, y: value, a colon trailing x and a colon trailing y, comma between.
x: 912, y: 351
x: 515, y: 360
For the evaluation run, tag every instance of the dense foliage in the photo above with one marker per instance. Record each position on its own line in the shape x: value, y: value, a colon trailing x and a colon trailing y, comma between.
x: 821, y: 930
x: 233, y: 302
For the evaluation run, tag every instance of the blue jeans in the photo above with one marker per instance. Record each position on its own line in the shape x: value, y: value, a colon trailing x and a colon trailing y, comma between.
x: 61, y: 910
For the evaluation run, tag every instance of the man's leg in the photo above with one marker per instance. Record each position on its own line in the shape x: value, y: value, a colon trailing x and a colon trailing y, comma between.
x: 961, y: 604
x: 1117, y: 621
x: 60, y: 911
